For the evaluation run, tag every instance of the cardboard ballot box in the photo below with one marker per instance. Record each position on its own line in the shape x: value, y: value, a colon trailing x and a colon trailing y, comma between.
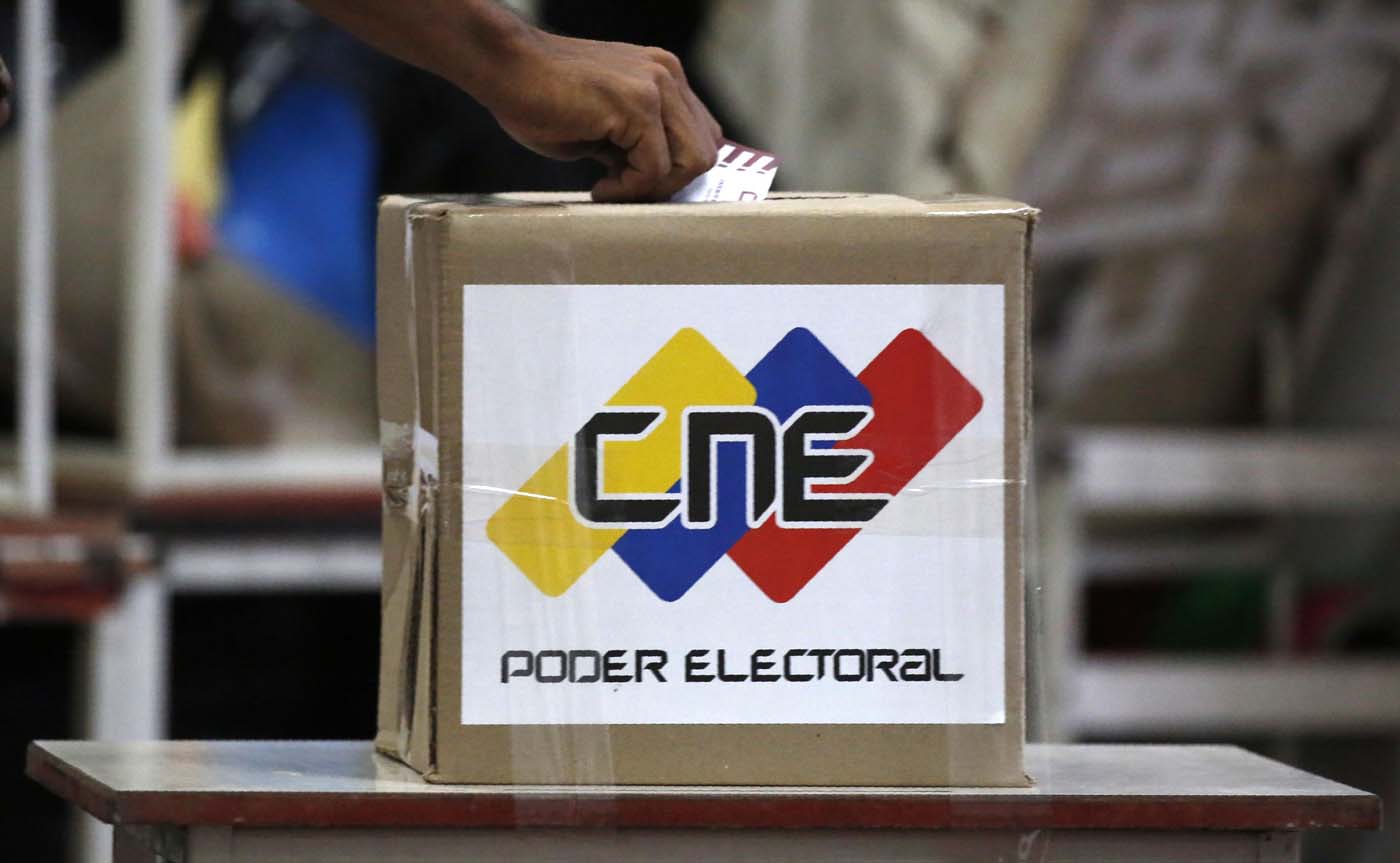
x: 704, y: 494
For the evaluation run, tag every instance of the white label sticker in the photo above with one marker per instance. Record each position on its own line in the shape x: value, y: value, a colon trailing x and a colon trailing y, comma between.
x: 742, y: 504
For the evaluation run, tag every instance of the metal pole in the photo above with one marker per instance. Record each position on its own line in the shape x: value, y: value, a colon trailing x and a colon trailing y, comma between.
x: 147, y: 379
x: 36, y: 257
x: 124, y: 682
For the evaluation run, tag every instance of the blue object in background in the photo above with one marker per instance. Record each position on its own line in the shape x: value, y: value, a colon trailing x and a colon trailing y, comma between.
x: 299, y: 201
x: 797, y: 372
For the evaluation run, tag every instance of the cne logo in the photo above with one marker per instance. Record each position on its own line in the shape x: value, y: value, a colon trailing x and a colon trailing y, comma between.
x: 781, y: 466
x: 778, y: 469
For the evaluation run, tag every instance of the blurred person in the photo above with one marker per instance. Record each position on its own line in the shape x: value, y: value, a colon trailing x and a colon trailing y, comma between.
x: 861, y: 97
x: 273, y: 311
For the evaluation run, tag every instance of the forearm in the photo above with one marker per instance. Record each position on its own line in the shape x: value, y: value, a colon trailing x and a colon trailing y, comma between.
x: 628, y: 106
x: 468, y: 42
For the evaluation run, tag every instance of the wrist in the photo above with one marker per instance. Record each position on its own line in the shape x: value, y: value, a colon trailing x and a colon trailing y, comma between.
x: 493, y: 41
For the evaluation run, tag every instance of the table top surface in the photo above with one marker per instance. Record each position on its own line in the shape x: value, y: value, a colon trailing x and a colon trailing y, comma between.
x: 346, y: 784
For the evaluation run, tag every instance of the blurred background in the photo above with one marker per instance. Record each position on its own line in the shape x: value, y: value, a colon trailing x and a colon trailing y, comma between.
x: 1216, y: 341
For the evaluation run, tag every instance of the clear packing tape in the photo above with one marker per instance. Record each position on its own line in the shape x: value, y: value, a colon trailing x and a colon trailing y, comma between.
x: 867, y: 601
x: 410, y: 505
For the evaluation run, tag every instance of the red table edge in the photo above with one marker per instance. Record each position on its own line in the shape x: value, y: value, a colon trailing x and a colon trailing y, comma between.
x: 675, y: 810
x: 349, y: 501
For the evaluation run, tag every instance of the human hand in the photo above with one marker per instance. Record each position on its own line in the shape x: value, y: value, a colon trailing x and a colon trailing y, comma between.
x: 627, y: 106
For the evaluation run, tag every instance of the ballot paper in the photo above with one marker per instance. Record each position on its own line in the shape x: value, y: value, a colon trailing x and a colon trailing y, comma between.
x: 740, y: 174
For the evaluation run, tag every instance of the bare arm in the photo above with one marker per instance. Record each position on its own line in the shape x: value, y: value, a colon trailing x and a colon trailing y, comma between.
x: 627, y: 106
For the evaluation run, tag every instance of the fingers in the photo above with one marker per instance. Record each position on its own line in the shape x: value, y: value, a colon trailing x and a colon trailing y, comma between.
x: 707, y: 119
x: 693, y: 148
x: 674, y: 126
x: 702, y: 115
x: 647, y: 156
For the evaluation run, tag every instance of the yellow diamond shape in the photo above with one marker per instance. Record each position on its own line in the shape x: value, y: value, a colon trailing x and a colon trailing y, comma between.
x: 537, y: 530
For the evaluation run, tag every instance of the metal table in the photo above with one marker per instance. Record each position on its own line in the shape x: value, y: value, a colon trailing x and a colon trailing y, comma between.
x: 308, y: 802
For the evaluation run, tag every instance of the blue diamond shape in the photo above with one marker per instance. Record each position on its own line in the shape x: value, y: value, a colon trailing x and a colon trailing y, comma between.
x: 797, y: 372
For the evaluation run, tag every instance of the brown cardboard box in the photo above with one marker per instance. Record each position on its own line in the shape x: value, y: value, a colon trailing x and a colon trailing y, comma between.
x: 800, y: 616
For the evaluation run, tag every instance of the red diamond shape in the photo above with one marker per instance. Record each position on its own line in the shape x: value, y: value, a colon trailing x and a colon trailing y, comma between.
x: 921, y: 403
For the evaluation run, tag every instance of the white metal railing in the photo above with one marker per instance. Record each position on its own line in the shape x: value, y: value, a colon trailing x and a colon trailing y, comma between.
x: 147, y: 415
x: 144, y: 460
x: 1147, y: 473
x: 149, y: 460
x: 29, y: 489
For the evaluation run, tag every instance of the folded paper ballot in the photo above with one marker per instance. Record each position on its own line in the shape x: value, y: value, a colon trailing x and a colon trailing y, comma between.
x: 740, y: 174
